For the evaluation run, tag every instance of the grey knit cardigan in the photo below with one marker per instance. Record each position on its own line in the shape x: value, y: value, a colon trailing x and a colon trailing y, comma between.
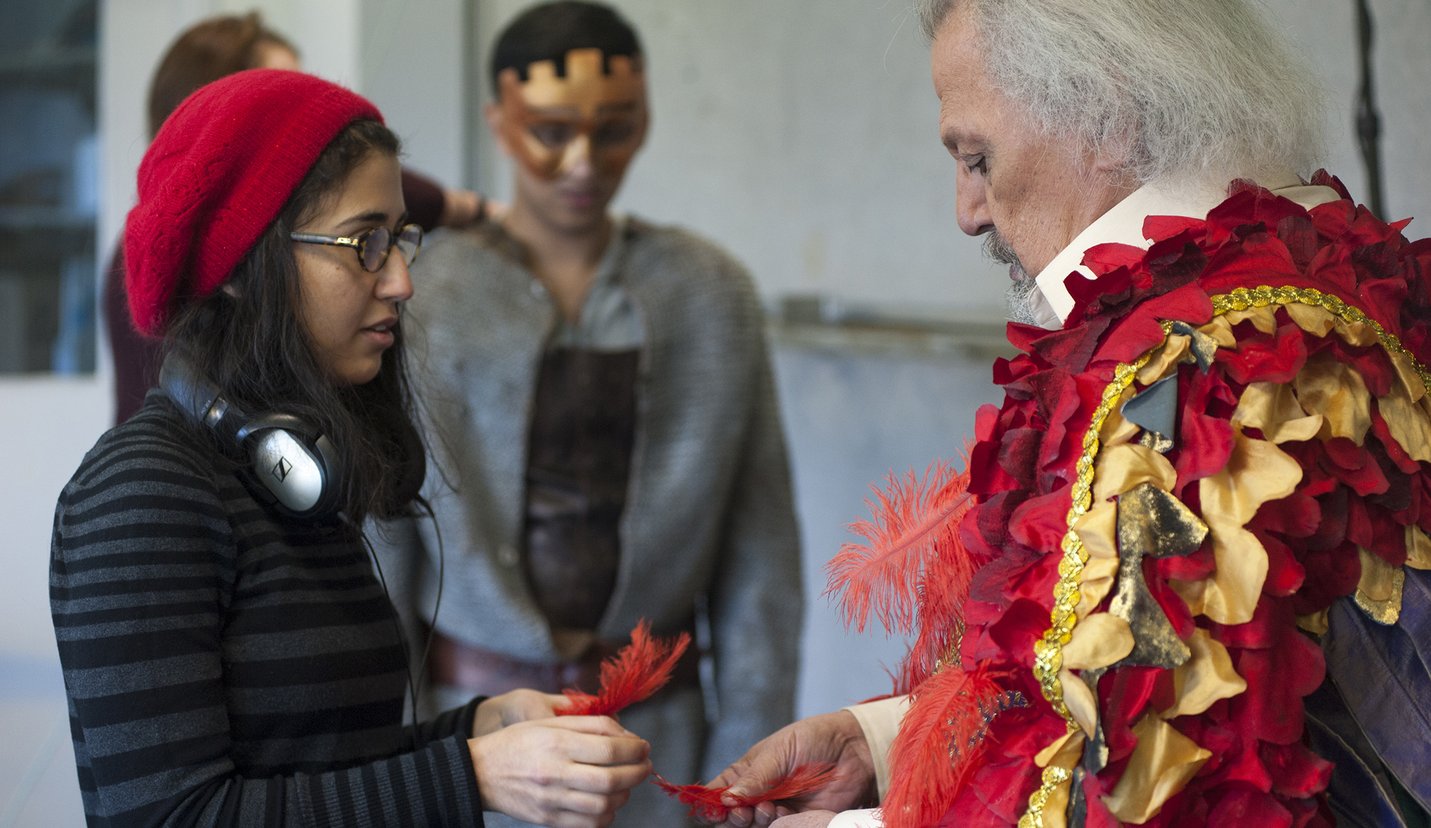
x: 709, y: 519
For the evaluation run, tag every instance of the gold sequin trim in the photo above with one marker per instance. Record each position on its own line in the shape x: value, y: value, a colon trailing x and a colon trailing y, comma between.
x: 1053, y: 776
x: 1048, y: 650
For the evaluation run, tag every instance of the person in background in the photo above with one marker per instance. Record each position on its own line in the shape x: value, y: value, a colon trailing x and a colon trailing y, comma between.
x: 607, y: 440
x: 1198, y: 535
x: 229, y: 652
x: 207, y: 51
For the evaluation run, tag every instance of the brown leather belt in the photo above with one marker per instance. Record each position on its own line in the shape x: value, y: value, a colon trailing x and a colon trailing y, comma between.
x: 487, y: 673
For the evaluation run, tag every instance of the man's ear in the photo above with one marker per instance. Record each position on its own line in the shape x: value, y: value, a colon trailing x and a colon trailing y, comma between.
x: 1115, y: 155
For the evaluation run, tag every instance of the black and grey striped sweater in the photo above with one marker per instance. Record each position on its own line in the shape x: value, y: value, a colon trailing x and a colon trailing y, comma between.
x: 225, y: 667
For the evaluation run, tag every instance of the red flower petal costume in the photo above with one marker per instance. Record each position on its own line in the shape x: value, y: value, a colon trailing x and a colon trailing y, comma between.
x: 1150, y: 600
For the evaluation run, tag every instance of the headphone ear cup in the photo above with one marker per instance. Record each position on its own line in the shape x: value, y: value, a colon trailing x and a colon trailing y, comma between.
x: 295, y: 465
x: 292, y: 466
x: 195, y: 395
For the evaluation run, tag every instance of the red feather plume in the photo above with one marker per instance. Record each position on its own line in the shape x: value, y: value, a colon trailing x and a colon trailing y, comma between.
x: 939, y: 742
x: 912, y: 569
x: 634, y: 674
x: 710, y: 803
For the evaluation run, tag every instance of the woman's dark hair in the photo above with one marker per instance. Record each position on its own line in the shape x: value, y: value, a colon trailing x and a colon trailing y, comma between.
x: 549, y: 30
x: 209, y: 50
x: 249, y: 340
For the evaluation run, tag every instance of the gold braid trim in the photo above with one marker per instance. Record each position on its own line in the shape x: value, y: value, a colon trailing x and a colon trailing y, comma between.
x: 1048, y: 650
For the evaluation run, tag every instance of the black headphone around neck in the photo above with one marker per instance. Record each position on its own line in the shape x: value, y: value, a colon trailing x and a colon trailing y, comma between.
x: 291, y: 465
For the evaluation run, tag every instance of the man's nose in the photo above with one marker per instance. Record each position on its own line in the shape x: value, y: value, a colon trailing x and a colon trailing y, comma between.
x: 970, y: 205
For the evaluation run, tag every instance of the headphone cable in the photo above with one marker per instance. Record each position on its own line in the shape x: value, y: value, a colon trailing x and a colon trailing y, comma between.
x: 396, y: 618
x: 437, y: 602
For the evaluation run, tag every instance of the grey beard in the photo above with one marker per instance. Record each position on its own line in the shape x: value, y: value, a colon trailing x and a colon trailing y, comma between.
x: 1020, y: 295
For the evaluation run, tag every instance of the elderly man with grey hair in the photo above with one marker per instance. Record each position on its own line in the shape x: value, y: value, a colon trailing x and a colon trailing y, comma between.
x: 1184, y: 578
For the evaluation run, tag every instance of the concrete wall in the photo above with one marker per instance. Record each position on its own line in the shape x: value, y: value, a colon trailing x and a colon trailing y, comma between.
x: 799, y: 133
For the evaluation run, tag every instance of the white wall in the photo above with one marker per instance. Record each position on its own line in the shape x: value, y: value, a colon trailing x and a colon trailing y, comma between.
x: 802, y: 135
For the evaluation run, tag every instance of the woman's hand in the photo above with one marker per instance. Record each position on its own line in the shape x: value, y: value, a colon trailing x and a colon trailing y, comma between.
x: 510, y: 708
x: 568, y: 772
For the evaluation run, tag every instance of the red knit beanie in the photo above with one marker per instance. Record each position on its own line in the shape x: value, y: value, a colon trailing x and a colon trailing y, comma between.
x: 218, y: 173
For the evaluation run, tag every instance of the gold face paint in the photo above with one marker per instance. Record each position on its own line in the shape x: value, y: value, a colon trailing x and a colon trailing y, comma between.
x: 550, y: 121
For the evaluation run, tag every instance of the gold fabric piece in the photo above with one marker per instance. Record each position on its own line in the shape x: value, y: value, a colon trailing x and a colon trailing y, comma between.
x: 1152, y: 523
x: 1117, y: 430
x: 1418, y: 548
x: 1257, y: 472
x: 1098, y: 641
x: 1125, y: 467
x: 1315, y: 623
x: 1336, y: 391
x: 1098, y: 528
x: 1219, y: 330
x: 1273, y: 407
x: 1407, y: 370
x: 1100, y: 575
x: 1063, y: 751
x: 1314, y: 320
x: 1378, y: 593
x: 1160, y: 766
x: 1407, y: 421
x: 1165, y: 359
x: 1081, y: 702
x: 1206, y: 678
x: 1262, y: 318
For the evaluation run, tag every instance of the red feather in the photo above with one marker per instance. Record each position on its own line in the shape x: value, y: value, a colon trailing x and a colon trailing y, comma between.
x: 634, y: 674
x: 912, y: 572
x: 709, y: 803
x: 939, y: 740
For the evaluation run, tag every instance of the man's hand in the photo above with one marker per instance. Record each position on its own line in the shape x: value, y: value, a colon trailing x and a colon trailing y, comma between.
x: 510, y: 708
x: 809, y: 819
x: 569, y: 772
x: 832, y: 738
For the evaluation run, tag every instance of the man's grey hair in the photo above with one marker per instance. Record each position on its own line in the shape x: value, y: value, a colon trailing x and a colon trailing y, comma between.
x: 1199, y: 90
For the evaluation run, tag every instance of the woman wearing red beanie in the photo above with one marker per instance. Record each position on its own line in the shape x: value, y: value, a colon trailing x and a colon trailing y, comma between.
x: 203, y: 53
x: 229, y: 652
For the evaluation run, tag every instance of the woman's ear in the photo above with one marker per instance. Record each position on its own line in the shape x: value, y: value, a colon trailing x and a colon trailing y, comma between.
x: 229, y: 290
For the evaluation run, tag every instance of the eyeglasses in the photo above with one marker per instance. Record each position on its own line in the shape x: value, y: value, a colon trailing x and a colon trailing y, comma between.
x: 372, y: 246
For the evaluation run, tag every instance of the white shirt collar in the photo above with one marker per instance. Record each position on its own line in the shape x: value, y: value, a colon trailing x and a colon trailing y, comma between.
x: 1123, y: 224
